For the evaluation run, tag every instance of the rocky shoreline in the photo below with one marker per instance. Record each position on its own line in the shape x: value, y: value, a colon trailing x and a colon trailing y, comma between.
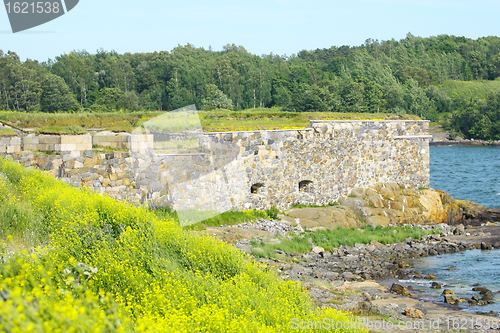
x: 441, y: 138
x: 471, y: 142
x: 346, y: 277
x: 377, y: 261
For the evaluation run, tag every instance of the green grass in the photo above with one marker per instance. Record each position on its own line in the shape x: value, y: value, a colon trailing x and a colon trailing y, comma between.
x: 23, y: 223
x: 7, y: 132
x: 60, y: 130
x: 19, y: 218
x: 329, y: 239
x: 107, y: 149
x: 268, y: 119
x: 113, y: 121
x: 226, y: 218
x: 468, y: 90
x: 331, y: 204
x: 190, y: 146
x: 211, y: 121
x: 231, y: 218
x: 111, y: 267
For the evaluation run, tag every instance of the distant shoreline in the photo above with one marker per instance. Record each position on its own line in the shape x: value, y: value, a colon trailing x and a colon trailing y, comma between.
x: 471, y: 143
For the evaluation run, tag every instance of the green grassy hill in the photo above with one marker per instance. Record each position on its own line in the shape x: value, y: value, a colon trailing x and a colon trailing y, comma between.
x: 467, y: 90
x: 75, y: 261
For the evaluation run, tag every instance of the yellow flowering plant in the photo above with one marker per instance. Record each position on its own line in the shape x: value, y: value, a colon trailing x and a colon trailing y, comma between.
x: 107, y: 266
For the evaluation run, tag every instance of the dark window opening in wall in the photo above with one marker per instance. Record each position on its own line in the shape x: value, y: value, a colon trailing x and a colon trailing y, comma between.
x: 305, y: 186
x: 300, y: 137
x: 256, y: 188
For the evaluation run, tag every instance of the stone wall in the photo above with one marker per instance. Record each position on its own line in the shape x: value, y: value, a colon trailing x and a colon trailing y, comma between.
x: 133, y: 142
x: 57, y: 143
x: 313, y: 166
x: 73, y: 143
x: 242, y: 170
x: 10, y: 145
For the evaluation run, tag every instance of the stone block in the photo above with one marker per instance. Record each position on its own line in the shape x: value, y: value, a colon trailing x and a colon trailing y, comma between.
x: 49, y: 139
x: 31, y: 140
x: 87, y: 153
x: 141, y: 138
x: 32, y: 147
x: 96, y: 159
x: 67, y: 147
x: 89, y: 163
x: 75, y: 153
x: 56, y: 163
x: 15, y: 141
x: 75, y: 139
x: 84, y: 146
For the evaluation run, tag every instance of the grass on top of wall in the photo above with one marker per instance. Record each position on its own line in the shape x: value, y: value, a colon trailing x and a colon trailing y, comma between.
x: 7, y: 132
x: 112, y: 121
x: 58, y: 130
x: 211, y: 121
x: 271, y: 119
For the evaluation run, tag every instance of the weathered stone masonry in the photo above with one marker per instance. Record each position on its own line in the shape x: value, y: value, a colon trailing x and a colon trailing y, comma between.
x: 257, y: 169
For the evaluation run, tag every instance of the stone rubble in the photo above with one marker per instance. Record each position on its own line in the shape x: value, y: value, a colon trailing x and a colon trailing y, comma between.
x: 273, y: 226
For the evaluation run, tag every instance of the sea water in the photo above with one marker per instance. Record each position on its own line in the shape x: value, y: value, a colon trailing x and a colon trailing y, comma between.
x: 460, y: 272
x: 467, y: 173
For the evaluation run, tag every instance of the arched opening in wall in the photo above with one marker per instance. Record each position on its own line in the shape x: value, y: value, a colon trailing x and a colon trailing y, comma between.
x: 256, y: 188
x: 305, y: 186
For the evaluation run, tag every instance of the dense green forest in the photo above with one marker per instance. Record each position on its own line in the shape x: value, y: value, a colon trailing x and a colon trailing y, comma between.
x: 453, y: 80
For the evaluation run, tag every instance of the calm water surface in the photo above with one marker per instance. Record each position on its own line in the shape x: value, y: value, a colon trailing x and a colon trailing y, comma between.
x: 467, y: 173
x: 472, y: 267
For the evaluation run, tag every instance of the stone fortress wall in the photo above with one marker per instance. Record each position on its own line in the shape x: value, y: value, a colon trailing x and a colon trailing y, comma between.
x: 238, y: 170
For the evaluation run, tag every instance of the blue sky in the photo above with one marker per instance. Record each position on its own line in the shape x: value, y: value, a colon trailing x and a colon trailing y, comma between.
x: 262, y: 27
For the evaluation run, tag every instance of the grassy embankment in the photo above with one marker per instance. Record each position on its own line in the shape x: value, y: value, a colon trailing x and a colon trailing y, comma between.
x: 102, y: 265
x: 225, y: 219
x: 329, y: 239
x: 211, y: 121
x: 469, y: 90
x: 461, y: 94
x: 7, y: 132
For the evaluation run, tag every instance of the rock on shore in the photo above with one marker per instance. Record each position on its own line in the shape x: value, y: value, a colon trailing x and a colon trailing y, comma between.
x: 388, y: 203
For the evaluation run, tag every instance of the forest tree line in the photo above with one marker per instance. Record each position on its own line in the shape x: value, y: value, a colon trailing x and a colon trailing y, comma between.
x: 392, y: 76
